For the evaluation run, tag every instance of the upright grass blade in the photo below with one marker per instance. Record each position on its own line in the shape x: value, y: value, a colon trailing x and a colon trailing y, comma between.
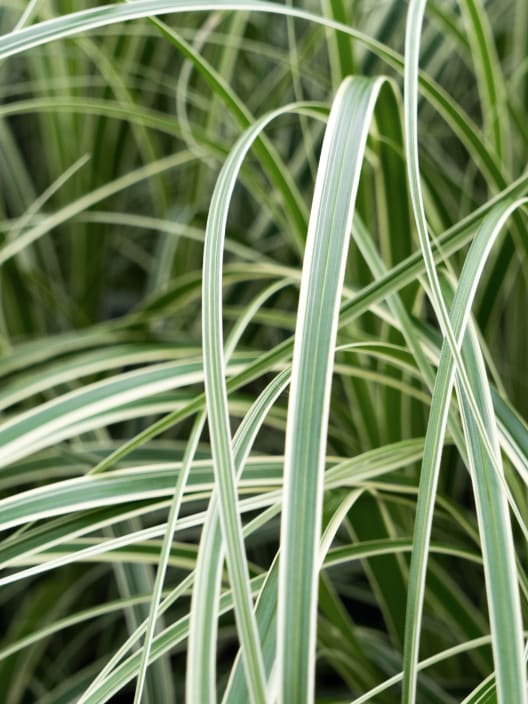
x: 498, y: 548
x: 218, y: 414
x: 165, y: 554
x: 436, y: 428
x: 438, y: 418
x: 175, y: 506
x: 236, y: 689
x: 412, y: 51
x: 322, y: 280
x: 200, y: 680
x: 204, y: 613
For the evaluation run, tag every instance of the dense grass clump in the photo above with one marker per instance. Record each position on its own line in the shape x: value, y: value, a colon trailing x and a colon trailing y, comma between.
x: 263, y: 351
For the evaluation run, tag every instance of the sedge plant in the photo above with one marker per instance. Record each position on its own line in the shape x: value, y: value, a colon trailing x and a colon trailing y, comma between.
x: 263, y: 351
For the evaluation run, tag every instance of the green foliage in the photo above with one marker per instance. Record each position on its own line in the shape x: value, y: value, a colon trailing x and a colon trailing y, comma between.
x: 262, y: 301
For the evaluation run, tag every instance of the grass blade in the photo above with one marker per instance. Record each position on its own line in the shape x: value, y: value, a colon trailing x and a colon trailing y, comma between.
x: 323, y: 272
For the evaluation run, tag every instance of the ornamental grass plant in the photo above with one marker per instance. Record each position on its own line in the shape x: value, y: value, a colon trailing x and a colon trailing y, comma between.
x: 263, y: 343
